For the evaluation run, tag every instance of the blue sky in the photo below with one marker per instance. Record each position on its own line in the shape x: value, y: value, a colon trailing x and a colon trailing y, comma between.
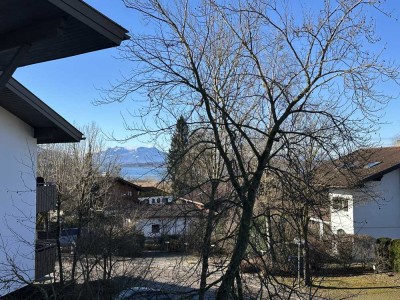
x: 70, y: 85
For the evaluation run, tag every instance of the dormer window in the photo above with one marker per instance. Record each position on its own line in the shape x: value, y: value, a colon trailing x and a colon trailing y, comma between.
x: 372, y: 164
x: 340, y: 203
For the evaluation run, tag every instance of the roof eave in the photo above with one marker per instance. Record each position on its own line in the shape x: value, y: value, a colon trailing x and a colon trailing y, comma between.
x: 138, y: 187
x: 381, y: 173
x: 74, y: 134
x: 94, y: 19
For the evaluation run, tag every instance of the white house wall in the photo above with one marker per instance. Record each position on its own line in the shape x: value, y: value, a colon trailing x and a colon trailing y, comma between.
x: 380, y: 216
x: 157, y: 200
x: 17, y: 198
x: 171, y: 226
x: 341, y: 219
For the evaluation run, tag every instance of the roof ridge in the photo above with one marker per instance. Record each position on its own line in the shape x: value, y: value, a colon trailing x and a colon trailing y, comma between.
x: 378, y: 148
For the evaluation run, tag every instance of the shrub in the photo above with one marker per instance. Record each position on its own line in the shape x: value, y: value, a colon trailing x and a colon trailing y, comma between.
x: 252, y: 265
x: 130, y: 244
x: 382, y: 254
x: 355, y: 248
x: 172, y: 243
x: 344, y: 245
x: 383, y: 244
x: 121, y: 242
x: 320, y: 252
x: 364, y: 249
x: 394, y: 254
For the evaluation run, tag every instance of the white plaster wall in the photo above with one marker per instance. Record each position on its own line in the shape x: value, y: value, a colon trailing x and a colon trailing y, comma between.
x: 341, y: 219
x: 17, y: 198
x: 154, y: 199
x: 167, y: 226
x: 379, y: 214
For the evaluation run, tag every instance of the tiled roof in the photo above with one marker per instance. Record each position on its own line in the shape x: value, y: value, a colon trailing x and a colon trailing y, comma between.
x: 131, y: 184
x: 152, y: 191
x: 172, y: 210
x: 360, y: 166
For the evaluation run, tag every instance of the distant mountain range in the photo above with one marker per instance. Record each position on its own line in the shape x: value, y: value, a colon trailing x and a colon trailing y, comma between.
x: 142, y: 156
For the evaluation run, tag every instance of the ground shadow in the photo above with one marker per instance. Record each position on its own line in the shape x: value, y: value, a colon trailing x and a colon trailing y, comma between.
x: 121, y: 287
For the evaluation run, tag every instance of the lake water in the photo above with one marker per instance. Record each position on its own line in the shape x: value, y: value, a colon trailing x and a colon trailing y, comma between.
x: 143, y: 173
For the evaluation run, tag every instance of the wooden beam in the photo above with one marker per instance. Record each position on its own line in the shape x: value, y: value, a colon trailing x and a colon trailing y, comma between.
x: 31, y: 34
x: 45, y: 133
x: 13, y: 65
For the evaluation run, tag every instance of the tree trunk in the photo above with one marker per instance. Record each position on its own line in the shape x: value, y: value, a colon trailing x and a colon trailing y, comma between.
x: 270, y: 239
x: 239, y: 286
x: 207, y: 243
x: 75, y: 255
x: 104, y: 267
x: 306, y: 255
x: 225, y: 289
x: 206, y: 254
x: 58, y: 230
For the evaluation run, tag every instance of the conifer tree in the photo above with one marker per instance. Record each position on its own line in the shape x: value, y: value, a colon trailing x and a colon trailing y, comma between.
x: 177, y: 157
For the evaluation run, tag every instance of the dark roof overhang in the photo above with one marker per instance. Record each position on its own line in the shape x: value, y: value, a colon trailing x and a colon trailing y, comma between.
x: 382, y: 172
x: 53, y: 29
x: 126, y: 182
x: 49, y: 127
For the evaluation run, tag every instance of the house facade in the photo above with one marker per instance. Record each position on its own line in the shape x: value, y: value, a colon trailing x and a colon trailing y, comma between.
x: 122, y: 194
x: 168, y: 216
x: 20, y: 134
x: 16, y: 155
x: 150, y: 210
x: 122, y: 201
x: 371, y: 204
x: 35, y: 31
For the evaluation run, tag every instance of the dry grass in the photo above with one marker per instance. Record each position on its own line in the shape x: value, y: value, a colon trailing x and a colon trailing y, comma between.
x: 371, y: 286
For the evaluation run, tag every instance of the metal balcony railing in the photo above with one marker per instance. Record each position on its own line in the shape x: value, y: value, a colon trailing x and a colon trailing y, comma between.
x: 46, y: 197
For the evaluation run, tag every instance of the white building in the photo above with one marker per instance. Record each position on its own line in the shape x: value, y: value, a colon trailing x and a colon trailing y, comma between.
x: 366, y: 194
x: 156, y: 200
x: 32, y: 32
x: 20, y: 132
x: 168, y: 217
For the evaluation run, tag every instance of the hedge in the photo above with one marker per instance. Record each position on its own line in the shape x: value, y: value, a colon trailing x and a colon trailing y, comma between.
x: 395, y: 255
x: 383, y: 247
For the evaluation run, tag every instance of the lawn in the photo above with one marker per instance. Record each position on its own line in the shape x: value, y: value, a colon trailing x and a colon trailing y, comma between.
x: 370, y: 286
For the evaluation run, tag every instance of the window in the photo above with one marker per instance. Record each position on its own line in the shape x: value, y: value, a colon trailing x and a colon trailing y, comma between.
x: 340, y: 232
x: 155, y: 228
x: 372, y: 164
x: 340, y: 203
x: 130, y: 193
x: 153, y: 200
x: 158, y: 200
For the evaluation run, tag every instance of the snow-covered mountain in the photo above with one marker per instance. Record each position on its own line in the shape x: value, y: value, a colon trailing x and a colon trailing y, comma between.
x: 136, y: 157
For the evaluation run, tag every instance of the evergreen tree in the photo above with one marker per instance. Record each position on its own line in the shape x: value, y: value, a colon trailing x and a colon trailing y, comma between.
x: 177, y: 165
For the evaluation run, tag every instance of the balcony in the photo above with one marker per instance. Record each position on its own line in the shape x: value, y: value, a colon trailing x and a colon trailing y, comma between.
x: 46, y: 197
x: 45, y: 250
x: 45, y: 259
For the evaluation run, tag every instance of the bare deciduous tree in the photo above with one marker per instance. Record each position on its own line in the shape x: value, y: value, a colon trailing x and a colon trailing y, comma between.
x: 82, y: 176
x: 249, y: 72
